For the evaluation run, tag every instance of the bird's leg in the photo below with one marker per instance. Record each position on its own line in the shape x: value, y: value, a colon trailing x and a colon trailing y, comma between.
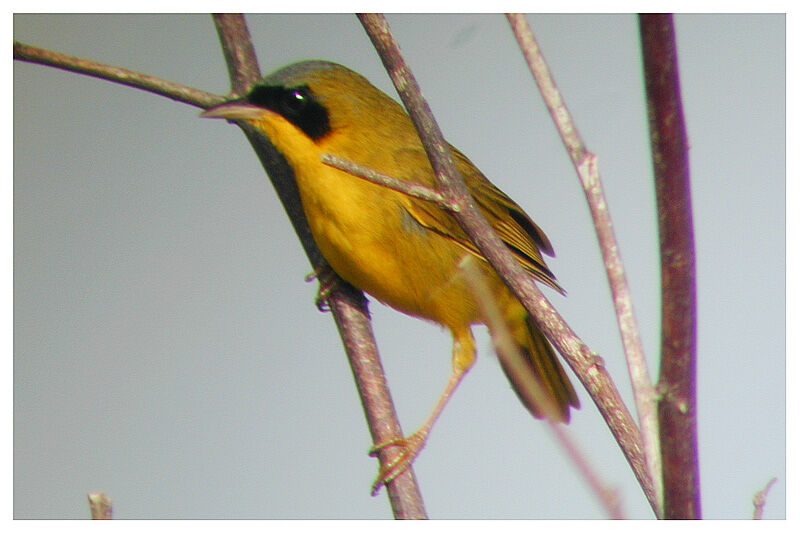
x: 328, y: 280
x: 463, y: 358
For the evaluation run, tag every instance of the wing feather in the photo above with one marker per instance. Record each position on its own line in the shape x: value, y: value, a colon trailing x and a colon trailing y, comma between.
x: 522, y: 236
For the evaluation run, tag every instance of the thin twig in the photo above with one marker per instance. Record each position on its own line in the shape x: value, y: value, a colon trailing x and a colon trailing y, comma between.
x: 760, y: 499
x: 172, y: 90
x: 511, y: 356
x: 677, y: 407
x: 100, y: 506
x: 586, y: 165
x: 586, y: 365
x: 608, y: 496
x: 411, y: 189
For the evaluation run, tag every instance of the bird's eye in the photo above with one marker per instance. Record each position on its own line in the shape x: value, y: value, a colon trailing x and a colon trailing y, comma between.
x: 295, y: 101
x: 298, y: 105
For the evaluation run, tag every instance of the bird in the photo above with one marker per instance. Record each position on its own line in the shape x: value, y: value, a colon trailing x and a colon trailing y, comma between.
x: 401, y: 250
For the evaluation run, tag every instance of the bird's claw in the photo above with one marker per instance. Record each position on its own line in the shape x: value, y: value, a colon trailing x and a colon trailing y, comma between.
x: 328, y: 281
x: 411, y: 447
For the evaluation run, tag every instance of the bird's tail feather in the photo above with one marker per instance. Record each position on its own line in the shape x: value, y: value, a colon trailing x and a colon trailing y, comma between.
x: 540, y: 365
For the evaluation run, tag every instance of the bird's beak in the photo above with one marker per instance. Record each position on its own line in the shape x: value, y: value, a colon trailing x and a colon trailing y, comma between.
x: 235, y: 110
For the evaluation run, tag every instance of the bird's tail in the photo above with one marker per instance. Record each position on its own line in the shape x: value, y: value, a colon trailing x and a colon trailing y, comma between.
x: 540, y: 365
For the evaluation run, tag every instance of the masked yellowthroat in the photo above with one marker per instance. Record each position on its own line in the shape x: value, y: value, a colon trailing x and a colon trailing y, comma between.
x: 401, y: 250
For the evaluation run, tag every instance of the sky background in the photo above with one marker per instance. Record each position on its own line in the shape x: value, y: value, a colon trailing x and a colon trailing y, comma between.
x: 167, y: 350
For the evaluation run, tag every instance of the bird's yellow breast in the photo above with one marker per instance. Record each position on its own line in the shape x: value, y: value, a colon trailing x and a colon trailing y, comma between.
x: 368, y: 237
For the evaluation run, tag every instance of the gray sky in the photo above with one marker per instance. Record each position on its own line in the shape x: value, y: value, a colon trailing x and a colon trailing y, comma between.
x: 167, y: 350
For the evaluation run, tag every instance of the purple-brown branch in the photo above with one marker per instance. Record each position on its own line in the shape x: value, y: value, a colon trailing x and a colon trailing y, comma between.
x: 677, y: 408
x: 587, y: 365
x: 352, y: 319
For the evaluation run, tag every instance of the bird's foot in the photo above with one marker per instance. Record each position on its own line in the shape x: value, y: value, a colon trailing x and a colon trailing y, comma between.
x: 410, y: 448
x: 328, y: 280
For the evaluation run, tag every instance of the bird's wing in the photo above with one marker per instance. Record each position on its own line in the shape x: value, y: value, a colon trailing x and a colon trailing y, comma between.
x: 522, y: 236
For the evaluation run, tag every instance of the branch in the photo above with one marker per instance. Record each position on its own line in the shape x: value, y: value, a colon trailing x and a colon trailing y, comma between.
x: 240, y: 56
x: 586, y: 365
x: 677, y: 408
x: 760, y: 499
x: 175, y: 91
x: 348, y: 305
x: 411, y: 189
x: 100, y: 506
x: 586, y: 165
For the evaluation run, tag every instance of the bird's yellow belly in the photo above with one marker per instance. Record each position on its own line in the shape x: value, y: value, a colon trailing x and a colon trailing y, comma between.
x: 369, y: 239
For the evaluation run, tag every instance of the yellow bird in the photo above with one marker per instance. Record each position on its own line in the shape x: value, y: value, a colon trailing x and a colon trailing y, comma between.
x: 401, y: 250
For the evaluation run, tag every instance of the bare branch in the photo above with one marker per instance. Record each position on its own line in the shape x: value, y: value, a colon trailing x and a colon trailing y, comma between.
x: 586, y: 165
x: 435, y: 146
x: 608, y: 496
x: 586, y: 365
x: 760, y: 499
x: 402, y: 186
x: 172, y: 90
x: 240, y: 56
x: 677, y: 408
x: 354, y: 325
x: 100, y: 506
